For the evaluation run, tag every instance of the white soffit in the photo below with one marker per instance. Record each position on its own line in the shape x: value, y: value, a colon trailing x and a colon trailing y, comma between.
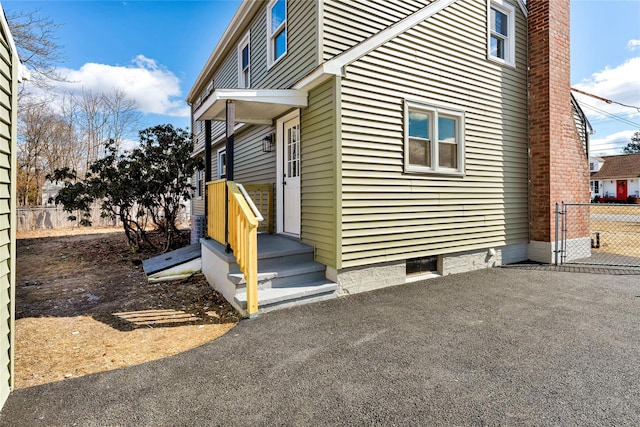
x: 256, y: 106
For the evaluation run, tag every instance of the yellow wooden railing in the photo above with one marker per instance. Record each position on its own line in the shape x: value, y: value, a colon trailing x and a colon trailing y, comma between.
x: 242, y: 232
x: 216, y: 220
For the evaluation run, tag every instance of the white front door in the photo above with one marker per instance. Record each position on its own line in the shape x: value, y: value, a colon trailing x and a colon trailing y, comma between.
x: 291, y: 177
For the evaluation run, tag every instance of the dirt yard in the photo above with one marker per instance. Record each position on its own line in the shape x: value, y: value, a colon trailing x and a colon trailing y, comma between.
x: 83, y: 305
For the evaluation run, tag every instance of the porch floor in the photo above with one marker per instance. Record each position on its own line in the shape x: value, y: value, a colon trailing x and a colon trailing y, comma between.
x: 276, y: 245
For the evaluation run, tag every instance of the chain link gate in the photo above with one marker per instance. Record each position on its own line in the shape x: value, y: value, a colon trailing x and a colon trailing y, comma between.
x: 598, y: 234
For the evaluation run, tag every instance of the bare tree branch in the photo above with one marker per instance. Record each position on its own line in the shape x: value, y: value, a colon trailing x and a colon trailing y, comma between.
x: 35, y: 38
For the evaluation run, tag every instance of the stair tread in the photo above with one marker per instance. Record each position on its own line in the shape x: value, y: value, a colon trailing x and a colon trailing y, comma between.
x: 279, y: 270
x: 274, y: 295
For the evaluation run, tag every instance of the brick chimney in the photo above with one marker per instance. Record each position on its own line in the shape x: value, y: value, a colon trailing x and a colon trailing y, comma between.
x: 558, y: 164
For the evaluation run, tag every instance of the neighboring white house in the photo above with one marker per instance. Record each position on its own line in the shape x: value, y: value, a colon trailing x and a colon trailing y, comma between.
x: 615, y: 178
x: 49, y: 192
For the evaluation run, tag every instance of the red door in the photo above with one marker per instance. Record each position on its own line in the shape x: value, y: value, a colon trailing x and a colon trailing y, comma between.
x: 621, y: 192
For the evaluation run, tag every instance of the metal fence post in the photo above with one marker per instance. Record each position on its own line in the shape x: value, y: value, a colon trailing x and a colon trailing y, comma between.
x: 563, y: 250
x: 556, y: 251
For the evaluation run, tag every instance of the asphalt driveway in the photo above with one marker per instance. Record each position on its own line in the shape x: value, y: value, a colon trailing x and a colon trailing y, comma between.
x: 493, y: 347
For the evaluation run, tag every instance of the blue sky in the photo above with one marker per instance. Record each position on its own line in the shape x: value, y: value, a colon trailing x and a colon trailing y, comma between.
x: 157, y: 48
x: 605, y: 61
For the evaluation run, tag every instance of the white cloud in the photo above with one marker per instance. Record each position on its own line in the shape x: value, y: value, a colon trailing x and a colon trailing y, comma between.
x: 155, y: 89
x: 633, y: 44
x: 619, y: 84
x: 610, y: 144
x: 128, y: 144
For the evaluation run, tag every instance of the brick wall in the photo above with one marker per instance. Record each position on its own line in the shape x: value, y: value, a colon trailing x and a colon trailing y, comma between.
x: 559, y: 169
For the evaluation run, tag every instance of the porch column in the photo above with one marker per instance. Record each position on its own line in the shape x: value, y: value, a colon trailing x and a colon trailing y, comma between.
x: 231, y: 119
x: 207, y: 166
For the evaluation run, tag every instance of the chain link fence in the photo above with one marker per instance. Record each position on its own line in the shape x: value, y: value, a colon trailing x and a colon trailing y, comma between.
x: 598, y: 234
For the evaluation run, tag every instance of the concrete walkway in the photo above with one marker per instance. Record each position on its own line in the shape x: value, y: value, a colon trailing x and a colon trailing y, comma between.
x: 493, y: 347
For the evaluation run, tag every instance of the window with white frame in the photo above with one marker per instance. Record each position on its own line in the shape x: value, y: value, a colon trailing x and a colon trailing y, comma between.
x: 501, y: 32
x: 222, y: 163
x: 434, y: 139
x: 276, y: 30
x: 199, y: 184
x: 244, y: 63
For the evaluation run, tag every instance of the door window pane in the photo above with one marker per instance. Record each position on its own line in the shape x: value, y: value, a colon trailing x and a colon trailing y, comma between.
x: 293, y: 151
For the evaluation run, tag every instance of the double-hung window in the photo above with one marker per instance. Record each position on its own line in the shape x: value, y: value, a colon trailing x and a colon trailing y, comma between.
x: 276, y: 30
x: 501, y: 32
x: 222, y: 163
x: 434, y: 139
x: 244, y: 63
x: 199, y: 184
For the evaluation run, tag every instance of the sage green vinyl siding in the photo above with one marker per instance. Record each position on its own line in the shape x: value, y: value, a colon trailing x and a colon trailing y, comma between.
x: 197, y: 203
x: 251, y: 164
x: 388, y: 215
x: 318, y: 181
x: 8, y: 119
x: 301, y: 57
x: 348, y: 23
x: 197, y: 206
x: 302, y: 47
x: 300, y: 60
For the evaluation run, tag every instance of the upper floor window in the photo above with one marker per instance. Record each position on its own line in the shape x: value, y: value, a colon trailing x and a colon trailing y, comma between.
x: 434, y: 139
x: 276, y: 30
x: 244, y: 63
x: 502, y: 32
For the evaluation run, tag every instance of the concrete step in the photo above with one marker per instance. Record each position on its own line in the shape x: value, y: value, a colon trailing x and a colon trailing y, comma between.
x: 282, y: 274
x: 277, y: 298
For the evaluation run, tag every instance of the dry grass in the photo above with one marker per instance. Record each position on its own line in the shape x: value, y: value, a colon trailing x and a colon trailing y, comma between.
x: 604, y: 208
x: 617, y: 237
x: 51, y: 349
x: 83, y: 305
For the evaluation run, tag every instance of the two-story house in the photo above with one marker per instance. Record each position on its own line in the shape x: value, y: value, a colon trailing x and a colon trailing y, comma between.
x: 394, y: 136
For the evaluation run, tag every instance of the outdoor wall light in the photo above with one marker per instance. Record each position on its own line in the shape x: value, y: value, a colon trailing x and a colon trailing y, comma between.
x: 267, y: 144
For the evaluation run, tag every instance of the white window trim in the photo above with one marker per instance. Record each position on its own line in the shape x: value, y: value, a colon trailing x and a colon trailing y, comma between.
x: 270, y: 40
x: 221, y: 151
x: 244, y: 42
x: 435, y: 111
x: 510, y: 41
x: 200, y: 189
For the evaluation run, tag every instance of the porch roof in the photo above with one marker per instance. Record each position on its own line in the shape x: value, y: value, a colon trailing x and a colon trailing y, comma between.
x: 256, y: 106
